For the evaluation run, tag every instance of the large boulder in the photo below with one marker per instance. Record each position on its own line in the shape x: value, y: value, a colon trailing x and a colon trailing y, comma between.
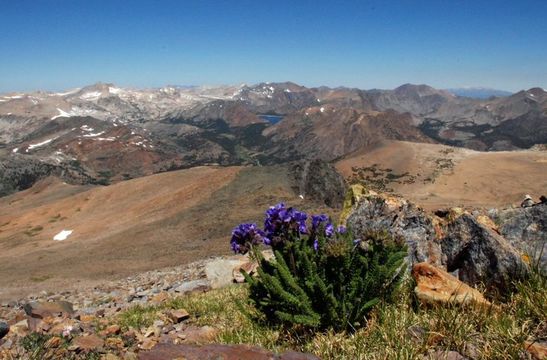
x: 318, y: 180
x: 402, y: 219
x: 455, y: 240
x: 480, y: 255
x: 525, y: 229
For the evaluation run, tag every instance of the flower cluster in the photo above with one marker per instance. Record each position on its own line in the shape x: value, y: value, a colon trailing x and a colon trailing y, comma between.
x: 281, y: 220
x: 246, y: 235
x: 322, y: 220
x: 282, y: 223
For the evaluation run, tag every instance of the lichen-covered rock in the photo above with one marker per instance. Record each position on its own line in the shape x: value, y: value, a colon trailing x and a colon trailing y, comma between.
x: 525, y: 229
x: 480, y: 255
x: 353, y: 195
x: 454, y: 240
x: 400, y: 218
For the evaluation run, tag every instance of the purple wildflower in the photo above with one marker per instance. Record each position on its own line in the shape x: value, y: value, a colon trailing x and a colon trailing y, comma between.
x: 281, y: 220
x: 245, y: 235
x: 329, y: 230
x: 317, y: 220
x: 341, y: 229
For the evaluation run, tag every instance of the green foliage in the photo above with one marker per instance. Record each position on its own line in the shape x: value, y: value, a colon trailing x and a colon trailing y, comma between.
x: 137, y: 316
x: 34, y: 343
x: 333, y: 284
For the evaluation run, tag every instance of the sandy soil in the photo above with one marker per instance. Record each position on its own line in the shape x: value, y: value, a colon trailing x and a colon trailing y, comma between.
x: 446, y: 176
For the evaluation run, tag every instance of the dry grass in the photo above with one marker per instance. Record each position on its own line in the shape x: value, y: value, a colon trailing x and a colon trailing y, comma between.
x: 401, y: 330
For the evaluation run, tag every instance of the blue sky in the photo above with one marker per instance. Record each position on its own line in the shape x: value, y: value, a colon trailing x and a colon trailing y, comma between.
x: 59, y: 44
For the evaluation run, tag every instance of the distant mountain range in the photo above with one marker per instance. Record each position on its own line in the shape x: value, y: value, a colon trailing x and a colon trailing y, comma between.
x: 103, y: 133
x: 479, y: 92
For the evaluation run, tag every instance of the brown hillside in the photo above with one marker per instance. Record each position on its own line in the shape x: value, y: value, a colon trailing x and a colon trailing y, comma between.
x: 142, y: 224
x: 437, y: 176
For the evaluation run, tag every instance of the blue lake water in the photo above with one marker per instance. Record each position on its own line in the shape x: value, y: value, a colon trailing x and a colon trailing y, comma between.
x: 272, y: 119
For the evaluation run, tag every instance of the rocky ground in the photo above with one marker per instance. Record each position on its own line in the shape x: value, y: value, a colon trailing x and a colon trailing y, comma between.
x: 81, y: 323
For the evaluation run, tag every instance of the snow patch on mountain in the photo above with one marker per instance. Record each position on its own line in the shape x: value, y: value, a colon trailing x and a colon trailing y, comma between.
x: 33, y: 146
x: 115, y: 90
x: 70, y: 92
x: 62, y: 113
x: 91, y: 96
x: 94, y: 134
x: 63, y: 235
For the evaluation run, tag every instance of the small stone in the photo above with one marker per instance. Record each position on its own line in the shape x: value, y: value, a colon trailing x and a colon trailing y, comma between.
x: 179, y: 315
x: 158, y: 323
x: 20, y: 329
x: 149, y: 332
x: 87, y: 318
x: 142, y: 293
x: 89, y: 342
x: 6, y: 345
x: 538, y: 350
x: 114, y: 343
x: 220, y: 271
x: 193, y: 286
x: 111, y: 330
x: 148, y: 344
x: 66, y: 327
x: 200, y: 335
x: 250, y: 267
x: 4, y: 329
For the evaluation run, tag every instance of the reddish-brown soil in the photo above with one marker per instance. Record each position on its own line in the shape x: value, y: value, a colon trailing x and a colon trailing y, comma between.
x: 142, y: 224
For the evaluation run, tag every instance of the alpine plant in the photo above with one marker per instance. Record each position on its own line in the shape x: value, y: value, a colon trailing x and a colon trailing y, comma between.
x: 321, y: 276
